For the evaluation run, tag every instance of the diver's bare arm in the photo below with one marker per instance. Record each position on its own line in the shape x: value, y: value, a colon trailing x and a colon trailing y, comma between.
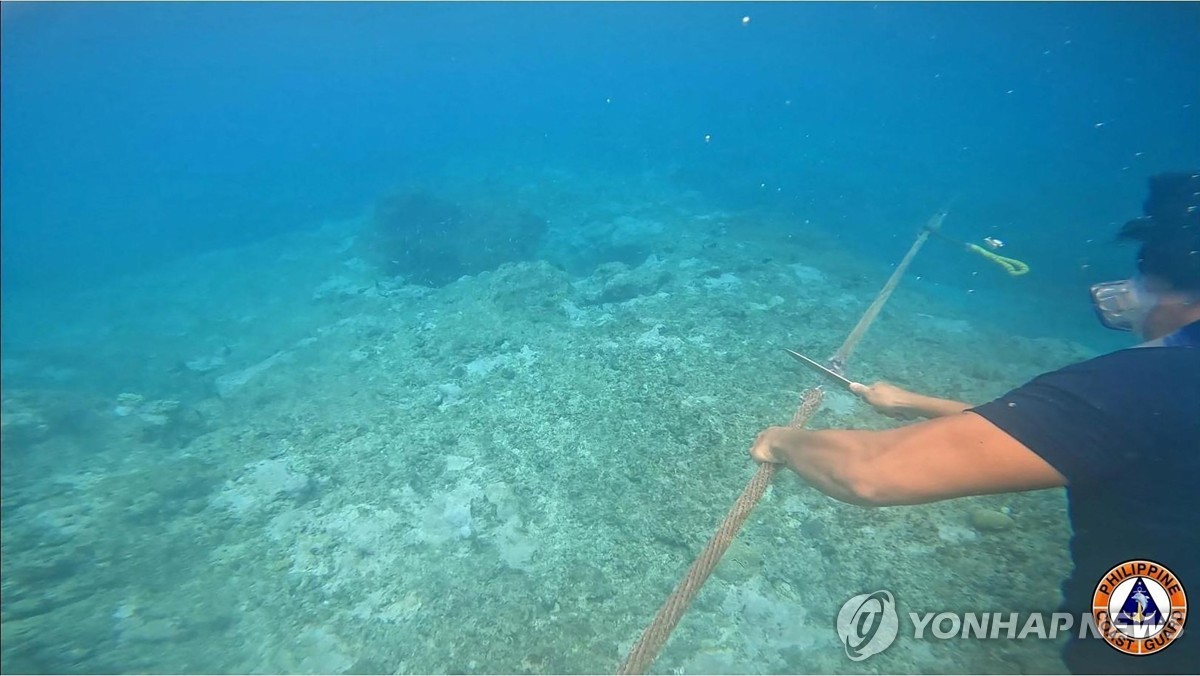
x: 931, y: 407
x: 938, y: 459
x: 901, y: 403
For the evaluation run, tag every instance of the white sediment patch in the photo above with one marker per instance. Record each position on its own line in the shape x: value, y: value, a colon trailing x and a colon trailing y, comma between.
x: 840, y: 403
x: 945, y: 324
x: 232, y: 382
x: 955, y: 534
x: 726, y: 282
x: 483, y: 366
x: 769, y: 624
x: 205, y: 364
x: 316, y: 650
x: 654, y: 340
x: 806, y: 274
x: 263, y: 483
x: 338, y: 287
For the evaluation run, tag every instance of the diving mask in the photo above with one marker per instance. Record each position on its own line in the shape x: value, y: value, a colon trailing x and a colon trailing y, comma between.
x: 1123, y: 305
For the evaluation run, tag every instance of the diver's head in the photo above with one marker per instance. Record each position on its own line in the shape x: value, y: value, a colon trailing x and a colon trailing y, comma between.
x: 1165, y: 294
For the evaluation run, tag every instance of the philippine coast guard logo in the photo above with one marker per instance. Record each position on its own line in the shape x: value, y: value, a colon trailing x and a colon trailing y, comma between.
x: 1139, y: 607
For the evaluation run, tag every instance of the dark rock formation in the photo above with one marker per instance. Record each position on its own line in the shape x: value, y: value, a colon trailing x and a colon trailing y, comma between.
x: 431, y: 241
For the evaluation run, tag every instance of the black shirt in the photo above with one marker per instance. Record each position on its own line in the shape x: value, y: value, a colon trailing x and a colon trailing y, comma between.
x: 1124, y: 429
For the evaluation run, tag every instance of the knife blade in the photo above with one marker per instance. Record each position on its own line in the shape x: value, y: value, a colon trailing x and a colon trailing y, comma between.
x: 817, y: 366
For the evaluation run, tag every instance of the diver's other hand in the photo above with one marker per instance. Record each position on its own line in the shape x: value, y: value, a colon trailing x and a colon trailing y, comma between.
x: 770, y: 445
x: 888, y: 399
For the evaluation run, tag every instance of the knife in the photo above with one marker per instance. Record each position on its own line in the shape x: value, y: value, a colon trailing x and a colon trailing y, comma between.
x: 817, y: 366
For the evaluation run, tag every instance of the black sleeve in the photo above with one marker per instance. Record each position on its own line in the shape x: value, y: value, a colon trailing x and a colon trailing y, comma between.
x: 1091, y: 420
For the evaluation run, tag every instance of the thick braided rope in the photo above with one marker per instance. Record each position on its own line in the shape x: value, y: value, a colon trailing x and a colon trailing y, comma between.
x: 659, y: 630
x: 843, y: 354
x: 655, y: 636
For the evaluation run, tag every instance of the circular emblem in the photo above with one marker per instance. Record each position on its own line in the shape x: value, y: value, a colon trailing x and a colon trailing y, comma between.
x: 1139, y: 607
x: 867, y: 624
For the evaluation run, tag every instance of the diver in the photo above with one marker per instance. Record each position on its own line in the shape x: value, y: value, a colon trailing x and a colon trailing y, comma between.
x: 1121, y: 432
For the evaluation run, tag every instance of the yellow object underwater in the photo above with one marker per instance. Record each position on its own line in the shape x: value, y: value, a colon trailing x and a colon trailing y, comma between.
x: 1012, y: 266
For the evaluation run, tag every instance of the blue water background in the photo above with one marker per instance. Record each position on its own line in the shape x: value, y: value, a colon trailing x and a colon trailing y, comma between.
x: 134, y: 134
